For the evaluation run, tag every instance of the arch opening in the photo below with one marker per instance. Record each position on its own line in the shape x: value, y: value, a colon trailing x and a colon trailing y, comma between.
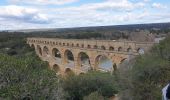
x: 67, y: 44
x: 120, y: 49
x: 103, y: 48
x: 95, y: 47
x: 82, y: 45
x: 103, y: 63
x: 69, y: 58
x: 56, y: 68
x: 46, y: 51
x: 68, y: 71
x: 84, y: 61
x: 88, y: 46
x: 39, y: 50
x: 111, y: 48
x: 77, y: 45
x: 57, y: 55
x: 72, y: 45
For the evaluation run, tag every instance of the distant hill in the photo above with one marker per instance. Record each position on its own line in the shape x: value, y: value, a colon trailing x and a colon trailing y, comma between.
x: 102, y: 28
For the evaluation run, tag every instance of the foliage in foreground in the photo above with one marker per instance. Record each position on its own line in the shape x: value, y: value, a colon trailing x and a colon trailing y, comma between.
x: 83, y: 85
x: 27, y: 78
x: 151, y: 72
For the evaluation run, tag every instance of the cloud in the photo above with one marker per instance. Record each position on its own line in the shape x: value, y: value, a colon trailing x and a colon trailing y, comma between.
x: 116, y: 5
x: 43, y: 2
x: 23, y: 14
x: 158, y: 5
x: 106, y: 12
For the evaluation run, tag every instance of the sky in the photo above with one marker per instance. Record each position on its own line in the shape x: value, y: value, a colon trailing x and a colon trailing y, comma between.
x: 33, y: 14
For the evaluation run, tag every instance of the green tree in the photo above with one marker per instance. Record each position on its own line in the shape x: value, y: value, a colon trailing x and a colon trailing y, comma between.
x: 151, y: 72
x: 82, y: 85
x: 27, y: 78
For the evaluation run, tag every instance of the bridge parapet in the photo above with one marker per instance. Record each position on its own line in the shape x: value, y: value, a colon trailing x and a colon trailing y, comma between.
x: 107, y: 45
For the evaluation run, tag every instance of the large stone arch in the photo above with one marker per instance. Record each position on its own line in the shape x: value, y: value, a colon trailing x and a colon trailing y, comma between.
x: 106, y: 59
x: 83, y: 61
x: 69, y: 58
x: 39, y: 50
x: 57, y: 55
x: 46, y: 51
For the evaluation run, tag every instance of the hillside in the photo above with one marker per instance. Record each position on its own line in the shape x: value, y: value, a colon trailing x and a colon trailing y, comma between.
x: 101, y: 28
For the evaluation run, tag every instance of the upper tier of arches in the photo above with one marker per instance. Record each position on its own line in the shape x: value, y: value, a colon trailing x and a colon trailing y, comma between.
x: 112, y: 46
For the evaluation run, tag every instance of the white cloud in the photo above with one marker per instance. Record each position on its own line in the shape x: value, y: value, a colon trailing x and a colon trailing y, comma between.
x: 22, y: 14
x: 43, y: 2
x: 108, y: 12
x: 117, y: 5
x: 146, y: 0
x: 158, y: 5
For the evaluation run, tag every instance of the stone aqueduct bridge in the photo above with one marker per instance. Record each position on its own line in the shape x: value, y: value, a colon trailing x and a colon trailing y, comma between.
x: 55, y: 51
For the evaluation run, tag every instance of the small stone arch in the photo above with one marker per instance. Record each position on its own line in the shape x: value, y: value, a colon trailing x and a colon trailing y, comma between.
x: 45, y: 51
x: 95, y: 47
x: 111, y: 48
x: 67, y: 44
x: 68, y: 71
x: 120, y: 49
x: 88, y: 46
x: 82, y: 45
x: 103, y: 47
x: 56, y: 68
x: 72, y: 45
x: 51, y: 43
x: 77, y: 45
